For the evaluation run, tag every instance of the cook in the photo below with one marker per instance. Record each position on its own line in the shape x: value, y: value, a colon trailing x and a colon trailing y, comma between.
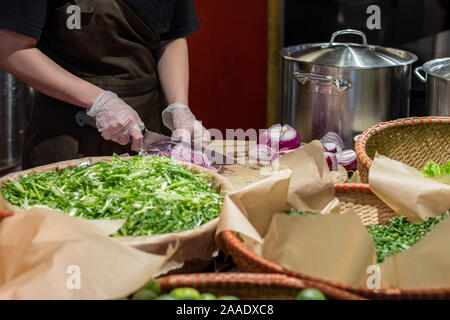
x: 126, y: 63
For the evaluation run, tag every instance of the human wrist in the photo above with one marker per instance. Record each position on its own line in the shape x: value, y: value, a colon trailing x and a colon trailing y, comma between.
x: 89, y: 96
x: 99, y: 102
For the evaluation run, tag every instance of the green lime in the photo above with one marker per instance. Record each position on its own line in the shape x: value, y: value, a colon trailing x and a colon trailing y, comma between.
x: 153, y: 285
x: 310, y: 294
x: 144, y: 294
x: 208, y: 296
x: 228, y: 298
x: 166, y: 297
x: 185, y: 294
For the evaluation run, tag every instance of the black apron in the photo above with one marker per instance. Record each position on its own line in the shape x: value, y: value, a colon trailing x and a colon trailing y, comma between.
x: 112, y: 50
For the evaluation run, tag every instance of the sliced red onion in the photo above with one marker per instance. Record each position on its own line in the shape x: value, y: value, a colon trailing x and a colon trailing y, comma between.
x: 180, y: 153
x: 329, y: 147
x: 347, y: 159
x: 333, y: 137
x: 262, y: 152
x: 280, y: 137
x: 331, y: 160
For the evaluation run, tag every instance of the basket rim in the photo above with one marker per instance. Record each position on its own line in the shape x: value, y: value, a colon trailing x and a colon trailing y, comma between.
x: 360, y: 145
x: 255, y: 280
x: 230, y: 240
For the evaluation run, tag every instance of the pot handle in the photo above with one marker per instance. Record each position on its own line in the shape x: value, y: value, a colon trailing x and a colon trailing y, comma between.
x: 419, y: 75
x: 340, y: 84
x: 349, y: 31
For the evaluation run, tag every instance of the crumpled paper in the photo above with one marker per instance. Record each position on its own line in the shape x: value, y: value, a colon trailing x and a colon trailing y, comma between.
x: 48, y: 255
x: 335, y: 247
x: 406, y: 190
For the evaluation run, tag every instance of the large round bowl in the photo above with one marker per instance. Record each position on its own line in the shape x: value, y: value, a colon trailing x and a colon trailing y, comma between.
x: 195, y: 247
x: 413, y: 141
x: 370, y: 210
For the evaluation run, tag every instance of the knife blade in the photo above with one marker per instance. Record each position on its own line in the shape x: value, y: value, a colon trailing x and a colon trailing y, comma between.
x: 151, y: 137
x: 215, y: 157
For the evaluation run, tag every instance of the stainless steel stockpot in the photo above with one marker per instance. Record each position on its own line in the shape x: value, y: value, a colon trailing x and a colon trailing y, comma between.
x: 437, y: 78
x: 343, y: 87
x: 15, y: 100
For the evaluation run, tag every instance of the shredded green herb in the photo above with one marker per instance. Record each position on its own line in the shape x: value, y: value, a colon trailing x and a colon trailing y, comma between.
x: 396, y: 235
x: 153, y: 194
x: 295, y: 211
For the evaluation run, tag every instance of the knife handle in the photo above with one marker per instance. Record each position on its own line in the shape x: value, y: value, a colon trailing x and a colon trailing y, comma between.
x: 83, y: 119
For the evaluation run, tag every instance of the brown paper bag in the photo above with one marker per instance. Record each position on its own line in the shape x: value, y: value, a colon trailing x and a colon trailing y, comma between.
x: 406, y: 190
x: 311, y: 187
x: 197, y: 245
x: 333, y: 247
x: 323, y: 246
x: 48, y: 255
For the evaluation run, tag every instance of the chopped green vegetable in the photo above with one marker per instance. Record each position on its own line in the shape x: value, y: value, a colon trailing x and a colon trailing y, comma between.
x: 153, y: 194
x: 295, y: 211
x: 398, y: 234
x: 433, y: 169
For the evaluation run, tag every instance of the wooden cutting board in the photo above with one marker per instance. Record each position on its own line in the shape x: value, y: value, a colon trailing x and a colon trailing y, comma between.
x: 240, y: 174
x: 243, y: 174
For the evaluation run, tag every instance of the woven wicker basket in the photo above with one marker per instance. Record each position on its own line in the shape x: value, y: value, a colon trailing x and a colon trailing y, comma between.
x: 198, y: 238
x: 413, y: 141
x: 371, y: 210
x: 251, y: 286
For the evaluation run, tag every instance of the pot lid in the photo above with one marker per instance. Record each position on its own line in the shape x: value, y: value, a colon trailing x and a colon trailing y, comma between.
x: 438, y: 67
x: 350, y: 55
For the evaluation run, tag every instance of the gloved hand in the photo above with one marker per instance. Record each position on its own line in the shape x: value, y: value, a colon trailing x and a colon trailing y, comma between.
x: 183, y: 124
x: 116, y: 120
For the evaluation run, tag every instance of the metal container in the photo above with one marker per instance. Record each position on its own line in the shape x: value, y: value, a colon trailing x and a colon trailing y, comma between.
x: 343, y: 87
x: 15, y: 98
x: 437, y: 78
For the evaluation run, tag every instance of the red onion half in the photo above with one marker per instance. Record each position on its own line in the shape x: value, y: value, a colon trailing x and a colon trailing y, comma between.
x: 280, y: 137
x: 333, y: 137
x: 331, y: 160
x: 181, y: 153
x: 347, y: 159
x: 333, y: 145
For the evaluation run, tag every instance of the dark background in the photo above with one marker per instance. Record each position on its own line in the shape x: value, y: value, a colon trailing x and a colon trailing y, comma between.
x: 418, y: 26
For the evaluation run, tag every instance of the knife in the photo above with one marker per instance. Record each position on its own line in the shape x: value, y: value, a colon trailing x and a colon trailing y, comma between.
x: 151, y: 137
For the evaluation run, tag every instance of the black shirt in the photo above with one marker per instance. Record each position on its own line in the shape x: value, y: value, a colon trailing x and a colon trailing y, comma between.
x: 171, y: 19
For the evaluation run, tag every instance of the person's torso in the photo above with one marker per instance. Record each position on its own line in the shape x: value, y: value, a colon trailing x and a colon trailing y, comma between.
x: 112, y: 43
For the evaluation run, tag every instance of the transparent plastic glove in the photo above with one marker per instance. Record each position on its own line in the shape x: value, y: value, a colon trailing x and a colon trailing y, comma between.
x: 117, y: 121
x: 183, y: 124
